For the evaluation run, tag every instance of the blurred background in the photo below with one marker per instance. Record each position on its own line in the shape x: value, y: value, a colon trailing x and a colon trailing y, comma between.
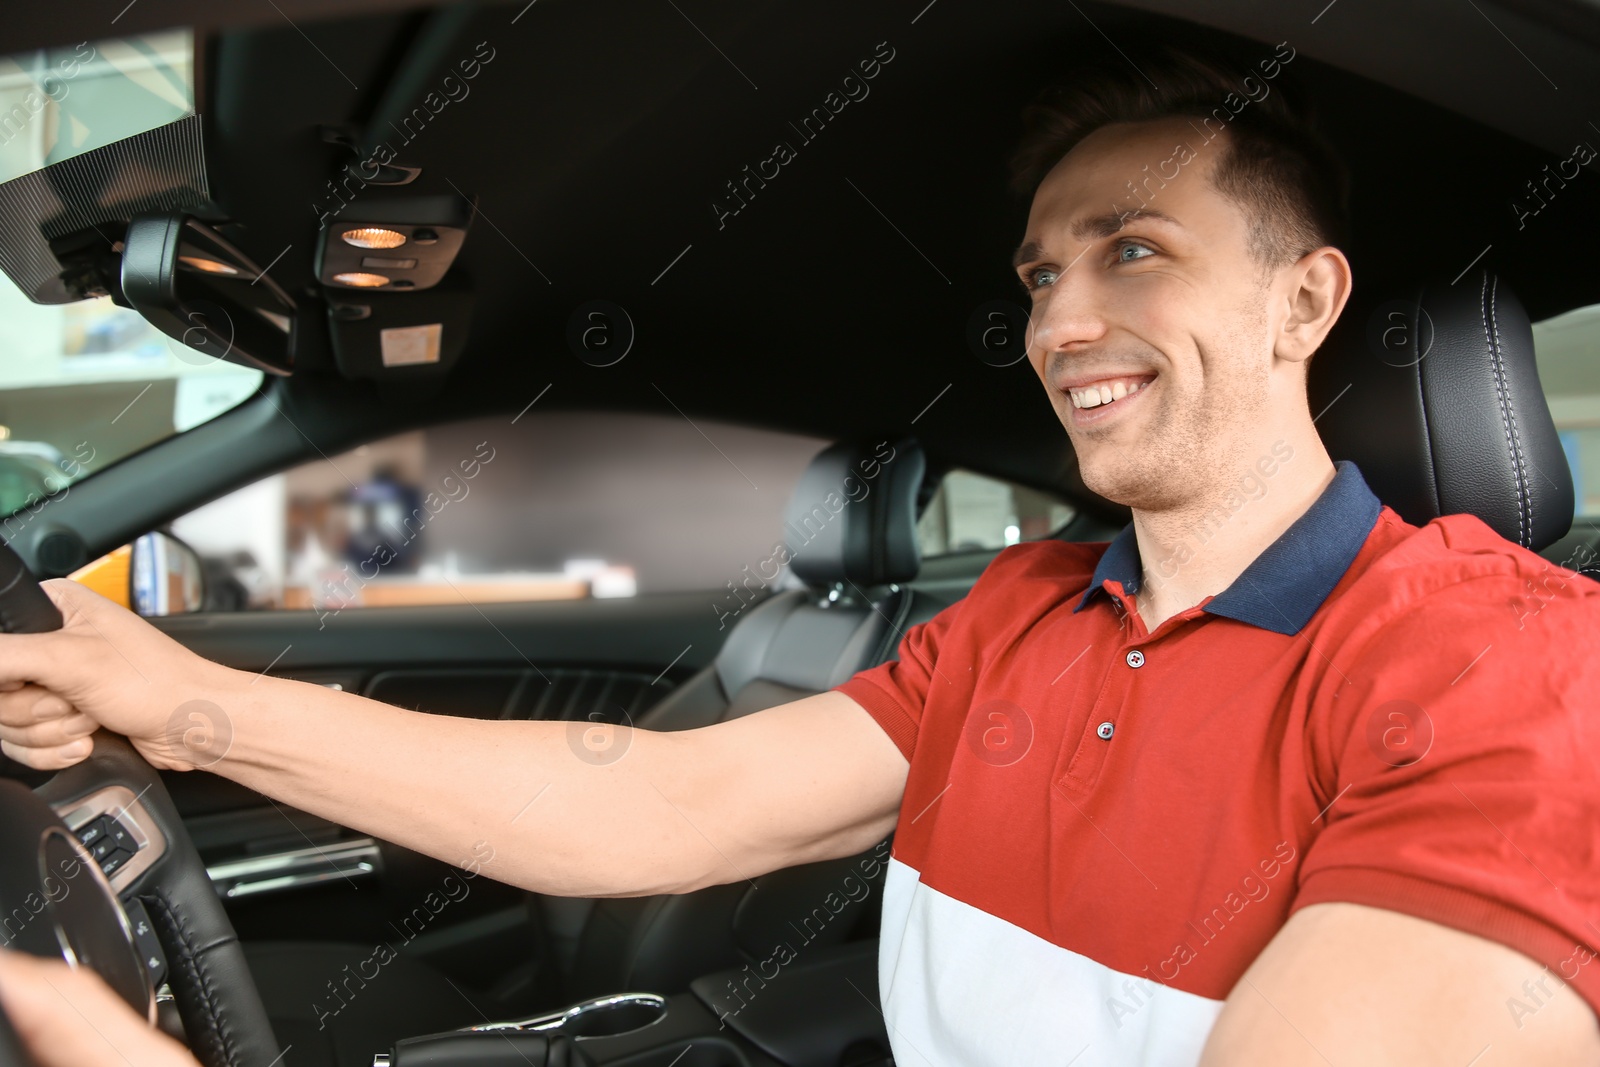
x: 570, y: 504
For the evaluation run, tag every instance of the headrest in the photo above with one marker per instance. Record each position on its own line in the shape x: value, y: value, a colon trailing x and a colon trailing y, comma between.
x: 1434, y: 394
x: 853, y: 515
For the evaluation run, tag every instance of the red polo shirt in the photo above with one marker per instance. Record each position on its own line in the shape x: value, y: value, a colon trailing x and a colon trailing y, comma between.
x: 1103, y: 826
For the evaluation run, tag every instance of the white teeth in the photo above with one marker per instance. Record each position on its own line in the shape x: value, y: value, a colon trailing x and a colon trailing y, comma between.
x: 1093, y: 396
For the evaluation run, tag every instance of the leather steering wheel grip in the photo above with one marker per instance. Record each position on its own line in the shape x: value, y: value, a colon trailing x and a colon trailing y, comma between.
x: 25, y: 608
x: 12, y: 1054
x: 223, y: 1016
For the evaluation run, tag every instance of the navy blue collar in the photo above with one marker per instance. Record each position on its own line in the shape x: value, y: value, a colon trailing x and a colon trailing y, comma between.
x: 1284, y: 586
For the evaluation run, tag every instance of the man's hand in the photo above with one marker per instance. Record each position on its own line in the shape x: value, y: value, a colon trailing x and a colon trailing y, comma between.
x: 104, y: 667
x: 70, y: 1018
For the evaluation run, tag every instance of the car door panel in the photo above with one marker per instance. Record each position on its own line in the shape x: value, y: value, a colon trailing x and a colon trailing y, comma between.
x: 287, y: 874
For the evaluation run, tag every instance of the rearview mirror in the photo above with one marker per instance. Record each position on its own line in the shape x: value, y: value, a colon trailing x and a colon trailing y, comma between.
x: 193, y: 285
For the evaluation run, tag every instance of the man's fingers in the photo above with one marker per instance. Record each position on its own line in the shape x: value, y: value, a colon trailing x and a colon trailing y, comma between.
x: 32, y: 704
x: 51, y: 733
x: 49, y: 759
x: 67, y: 1018
x: 40, y: 729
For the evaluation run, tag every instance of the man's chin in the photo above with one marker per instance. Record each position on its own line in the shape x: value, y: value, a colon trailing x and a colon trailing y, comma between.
x: 1127, y: 476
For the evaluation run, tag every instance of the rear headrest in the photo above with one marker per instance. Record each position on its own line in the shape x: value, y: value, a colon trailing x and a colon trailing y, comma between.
x: 853, y: 515
x: 1436, y: 397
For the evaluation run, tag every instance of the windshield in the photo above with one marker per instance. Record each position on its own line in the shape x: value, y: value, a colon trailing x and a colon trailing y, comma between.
x: 57, y: 103
x: 83, y: 385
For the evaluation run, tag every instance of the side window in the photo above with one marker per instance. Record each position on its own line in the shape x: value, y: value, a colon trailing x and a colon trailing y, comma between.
x: 971, y: 512
x: 565, y: 505
x: 1567, y: 349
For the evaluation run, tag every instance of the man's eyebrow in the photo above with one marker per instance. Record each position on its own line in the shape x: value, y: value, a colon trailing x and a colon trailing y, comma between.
x: 1093, y: 228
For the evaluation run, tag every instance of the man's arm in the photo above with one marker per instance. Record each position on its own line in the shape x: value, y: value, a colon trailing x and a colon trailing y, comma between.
x: 1348, y: 984
x: 535, y: 804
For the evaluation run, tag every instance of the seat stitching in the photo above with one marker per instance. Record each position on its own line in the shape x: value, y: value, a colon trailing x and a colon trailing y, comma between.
x: 1491, y: 335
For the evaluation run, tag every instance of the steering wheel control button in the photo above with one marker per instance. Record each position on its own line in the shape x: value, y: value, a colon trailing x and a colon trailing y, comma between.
x: 1105, y: 730
x: 114, y: 860
x: 120, y: 837
x: 93, y: 832
x: 110, y: 843
x: 1135, y: 659
x: 145, y: 941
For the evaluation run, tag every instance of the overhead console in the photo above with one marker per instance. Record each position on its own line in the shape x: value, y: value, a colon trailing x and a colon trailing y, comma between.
x: 384, y: 266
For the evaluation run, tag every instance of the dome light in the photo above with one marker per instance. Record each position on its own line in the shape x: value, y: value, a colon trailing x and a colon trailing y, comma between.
x: 361, y: 280
x: 373, y: 237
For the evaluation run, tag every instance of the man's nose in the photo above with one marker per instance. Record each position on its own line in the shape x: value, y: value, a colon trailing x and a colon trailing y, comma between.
x: 1067, y: 311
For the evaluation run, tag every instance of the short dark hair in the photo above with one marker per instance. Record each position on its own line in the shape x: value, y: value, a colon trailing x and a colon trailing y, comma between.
x: 1276, y: 165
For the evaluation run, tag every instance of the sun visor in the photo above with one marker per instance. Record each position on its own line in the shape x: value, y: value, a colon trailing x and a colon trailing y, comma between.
x: 92, y: 134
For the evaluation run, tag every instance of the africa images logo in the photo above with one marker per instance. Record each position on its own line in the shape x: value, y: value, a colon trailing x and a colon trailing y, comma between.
x: 199, y: 733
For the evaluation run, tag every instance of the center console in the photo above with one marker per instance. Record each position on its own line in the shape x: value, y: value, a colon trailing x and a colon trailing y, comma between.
x: 818, y: 1010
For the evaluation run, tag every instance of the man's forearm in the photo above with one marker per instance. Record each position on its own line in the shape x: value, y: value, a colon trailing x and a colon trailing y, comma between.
x: 456, y: 788
x: 561, y: 807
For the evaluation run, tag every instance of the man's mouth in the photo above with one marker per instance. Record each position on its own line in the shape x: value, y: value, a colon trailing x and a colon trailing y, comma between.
x: 1107, y: 391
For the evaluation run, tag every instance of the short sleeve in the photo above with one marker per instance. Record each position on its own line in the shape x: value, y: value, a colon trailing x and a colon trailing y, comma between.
x: 1459, y: 747
x: 895, y: 691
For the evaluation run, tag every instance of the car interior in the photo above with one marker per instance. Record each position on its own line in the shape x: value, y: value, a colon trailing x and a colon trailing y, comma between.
x: 684, y: 336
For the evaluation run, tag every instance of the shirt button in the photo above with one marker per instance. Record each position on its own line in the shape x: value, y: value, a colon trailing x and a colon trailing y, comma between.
x: 1135, y: 658
x: 1105, y: 730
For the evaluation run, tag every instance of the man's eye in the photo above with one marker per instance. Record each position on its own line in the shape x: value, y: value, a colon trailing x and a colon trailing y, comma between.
x: 1039, y: 277
x: 1132, y: 246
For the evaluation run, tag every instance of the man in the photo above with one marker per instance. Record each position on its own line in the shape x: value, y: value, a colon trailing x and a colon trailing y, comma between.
x: 1147, y: 798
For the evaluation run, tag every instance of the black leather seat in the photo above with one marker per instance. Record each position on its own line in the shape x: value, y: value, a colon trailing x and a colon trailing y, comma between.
x: 851, y: 533
x: 1435, y: 395
x: 792, y: 645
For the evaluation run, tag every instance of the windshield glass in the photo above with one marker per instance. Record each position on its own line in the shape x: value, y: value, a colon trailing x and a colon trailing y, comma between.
x: 57, y: 103
x: 83, y: 385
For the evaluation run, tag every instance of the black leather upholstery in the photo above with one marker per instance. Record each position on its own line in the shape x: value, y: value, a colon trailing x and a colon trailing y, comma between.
x: 659, y: 944
x: 489, y: 1049
x: 792, y: 645
x: 1436, y: 397
x: 853, y: 514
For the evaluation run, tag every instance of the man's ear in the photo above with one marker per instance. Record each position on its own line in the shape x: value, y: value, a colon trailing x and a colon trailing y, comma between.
x: 1317, y: 288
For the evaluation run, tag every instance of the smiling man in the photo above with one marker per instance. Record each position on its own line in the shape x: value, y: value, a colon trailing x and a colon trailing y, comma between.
x: 1145, y: 812
x: 1146, y: 804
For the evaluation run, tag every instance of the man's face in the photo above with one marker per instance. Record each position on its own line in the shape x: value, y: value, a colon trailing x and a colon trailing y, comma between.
x: 1162, y: 312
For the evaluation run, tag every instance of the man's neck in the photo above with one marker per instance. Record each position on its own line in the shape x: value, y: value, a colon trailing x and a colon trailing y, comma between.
x: 1200, y: 549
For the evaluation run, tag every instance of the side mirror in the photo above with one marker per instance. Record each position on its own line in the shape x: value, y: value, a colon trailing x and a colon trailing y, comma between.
x: 194, y: 286
x: 165, y: 576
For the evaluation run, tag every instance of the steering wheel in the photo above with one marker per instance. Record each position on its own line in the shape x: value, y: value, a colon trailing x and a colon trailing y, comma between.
x: 111, y: 813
